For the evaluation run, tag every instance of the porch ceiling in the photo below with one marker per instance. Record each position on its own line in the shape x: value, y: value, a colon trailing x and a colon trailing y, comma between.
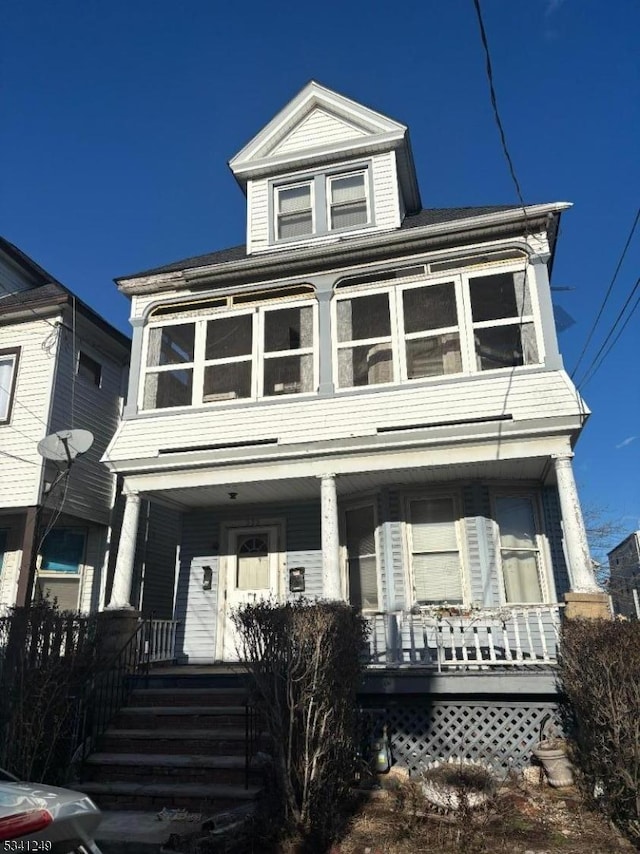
x: 308, y: 488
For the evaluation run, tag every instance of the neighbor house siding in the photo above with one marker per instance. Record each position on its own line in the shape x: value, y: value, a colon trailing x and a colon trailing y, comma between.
x: 10, y: 566
x: 21, y: 463
x: 79, y: 403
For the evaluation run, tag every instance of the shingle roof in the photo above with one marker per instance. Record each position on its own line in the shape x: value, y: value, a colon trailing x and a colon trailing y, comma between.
x: 427, y: 216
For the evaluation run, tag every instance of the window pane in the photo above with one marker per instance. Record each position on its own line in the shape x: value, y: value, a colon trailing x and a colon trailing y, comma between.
x: 170, y: 345
x: 364, y: 317
x: 428, y: 357
x: 229, y: 336
x: 295, y: 225
x: 367, y: 365
x: 62, y: 551
x: 521, y: 576
x: 502, y: 347
x: 430, y: 308
x: 433, y: 525
x: 361, y: 554
x: 498, y: 296
x: 6, y: 377
x: 516, y: 521
x: 288, y: 329
x: 288, y: 375
x: 347, y: 216
x: 227, y: 382
x: 347, y: 188
x: 252, y: 567
x: 294, y: 199
x: 360, y: 525
x: 169, y: 388
x: 437, y: 578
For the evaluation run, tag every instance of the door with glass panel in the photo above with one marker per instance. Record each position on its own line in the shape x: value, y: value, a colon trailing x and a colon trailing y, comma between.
x: 251, y: 574
x: 436, y: 562
x: 519, y: 550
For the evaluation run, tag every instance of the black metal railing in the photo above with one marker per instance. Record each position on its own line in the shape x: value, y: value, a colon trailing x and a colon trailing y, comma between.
x: 251, y: 738
x: 110, y: 690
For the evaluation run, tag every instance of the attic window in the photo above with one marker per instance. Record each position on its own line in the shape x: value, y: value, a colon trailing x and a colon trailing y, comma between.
x: 347, y: 201
x: 295, y: 210
x: 89, y: 369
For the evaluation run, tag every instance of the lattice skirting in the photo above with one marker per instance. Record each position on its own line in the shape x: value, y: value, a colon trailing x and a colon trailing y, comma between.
x: 499, y: 733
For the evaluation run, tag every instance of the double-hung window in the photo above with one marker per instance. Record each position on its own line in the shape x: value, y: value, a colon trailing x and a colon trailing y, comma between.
x: 347, y: 198
x: 365, y: 342
x: 8, y: 371
x: 519, y: 549
x: 294, y: 210
x: 434, y: 546
x: 253, y: 352
x: 431, y: 335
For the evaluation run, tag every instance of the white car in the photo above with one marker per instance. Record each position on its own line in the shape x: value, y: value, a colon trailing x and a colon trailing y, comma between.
x: 37, y: 817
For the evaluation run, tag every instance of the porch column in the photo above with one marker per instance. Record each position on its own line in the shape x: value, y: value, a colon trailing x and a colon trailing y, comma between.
x: 123, y: 576
x: 331, y: 585
x: 580, y: 567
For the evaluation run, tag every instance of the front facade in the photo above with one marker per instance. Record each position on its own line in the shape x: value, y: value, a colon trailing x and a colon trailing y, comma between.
x: 61, y: 368
x: 366, y: 402
x: 624, y: 575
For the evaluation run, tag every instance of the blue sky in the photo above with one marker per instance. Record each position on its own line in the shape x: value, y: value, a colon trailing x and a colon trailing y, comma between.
x: 117, y: 120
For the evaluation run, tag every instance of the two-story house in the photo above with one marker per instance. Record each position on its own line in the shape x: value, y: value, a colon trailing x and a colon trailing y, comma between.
x: 364, y: 401
x: 62, y: 367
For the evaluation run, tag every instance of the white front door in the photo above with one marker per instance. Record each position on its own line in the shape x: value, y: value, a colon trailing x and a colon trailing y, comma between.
x: 250, y: 574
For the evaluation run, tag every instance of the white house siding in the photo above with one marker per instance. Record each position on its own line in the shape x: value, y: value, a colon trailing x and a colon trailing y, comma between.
x: 161, y: 527
x: 20, y: 463
x: 195, y: 608
x: 481, y: 550
x: 386, y: 205
x: 82, y: 404
x: 522, y: 395
x: 319, y: 128
x: 10, y: 567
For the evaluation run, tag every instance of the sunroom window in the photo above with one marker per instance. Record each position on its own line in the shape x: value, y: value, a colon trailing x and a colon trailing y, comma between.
x: 432, y: 339
x: 257, y: 351
x: 365, y: 349
x: 347, y: 201
x: 519, y: 550
x: 436, y: 564
x: 503, y: 329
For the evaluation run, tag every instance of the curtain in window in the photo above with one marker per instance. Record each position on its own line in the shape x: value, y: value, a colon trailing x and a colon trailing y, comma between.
x: 519, y: 550
x: 435, y: 555
x: 361, y: 558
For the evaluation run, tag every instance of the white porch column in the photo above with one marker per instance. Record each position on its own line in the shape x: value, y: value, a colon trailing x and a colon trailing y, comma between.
x: 123, y: 576
x: 579, y: 566
x: 331, y: 584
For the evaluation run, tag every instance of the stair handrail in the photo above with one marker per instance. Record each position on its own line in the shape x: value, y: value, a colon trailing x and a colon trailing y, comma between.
x: 109, y: 691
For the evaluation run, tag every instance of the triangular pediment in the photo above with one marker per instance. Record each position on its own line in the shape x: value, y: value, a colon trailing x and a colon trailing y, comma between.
x: 316, y: 119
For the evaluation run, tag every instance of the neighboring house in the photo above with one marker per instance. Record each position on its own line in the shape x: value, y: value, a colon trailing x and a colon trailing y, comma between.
x: 61, y: 367
x: 624, y: 575
x: 366, y: 401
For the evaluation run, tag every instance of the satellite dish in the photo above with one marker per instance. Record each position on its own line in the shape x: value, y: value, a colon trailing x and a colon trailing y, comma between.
x: 65, y: 445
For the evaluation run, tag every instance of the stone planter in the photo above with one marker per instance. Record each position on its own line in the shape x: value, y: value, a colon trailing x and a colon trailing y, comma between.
x: 552, y: 755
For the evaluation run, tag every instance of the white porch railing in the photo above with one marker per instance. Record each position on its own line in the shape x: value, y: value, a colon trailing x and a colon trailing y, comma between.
x: 161, y: 640
x: 520, y: 636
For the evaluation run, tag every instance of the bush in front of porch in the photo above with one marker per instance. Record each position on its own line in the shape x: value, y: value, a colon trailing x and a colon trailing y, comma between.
x: 600, y: 677
x: 305, y: 660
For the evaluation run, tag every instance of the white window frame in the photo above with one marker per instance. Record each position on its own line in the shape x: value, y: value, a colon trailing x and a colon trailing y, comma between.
x: 257, y: 358
x: 277, y: 213
x: 11, y: 354
x: 344, y: 555
x: 349, y: 173
x: 465, y: 326
x: 461, y: 539
x: 545, y: 576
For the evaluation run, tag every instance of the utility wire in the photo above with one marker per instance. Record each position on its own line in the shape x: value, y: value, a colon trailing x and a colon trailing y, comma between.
x: 494, y: 104
x: 606, y: 296
x: 592, y: 369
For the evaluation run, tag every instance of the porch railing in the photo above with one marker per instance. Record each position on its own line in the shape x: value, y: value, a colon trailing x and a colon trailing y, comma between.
x: 161, y: 638
x: 522, y: 636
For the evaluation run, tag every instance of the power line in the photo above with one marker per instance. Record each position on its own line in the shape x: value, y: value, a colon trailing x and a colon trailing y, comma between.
x: 16, y: 457
x: 606, y: 296
x: 494, y: 104
x: 593, y: 368
x: 28, y: 307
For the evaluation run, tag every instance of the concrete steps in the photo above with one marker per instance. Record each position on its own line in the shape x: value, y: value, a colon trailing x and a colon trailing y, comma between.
x: 174, y: 747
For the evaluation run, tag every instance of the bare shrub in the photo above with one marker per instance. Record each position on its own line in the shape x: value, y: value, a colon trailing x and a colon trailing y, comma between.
x: 305, y: 661
x: 600, y: 676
